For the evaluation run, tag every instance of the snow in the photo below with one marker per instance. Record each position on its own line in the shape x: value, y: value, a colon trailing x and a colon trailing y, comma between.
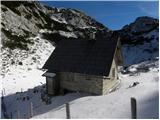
x: 22, y: 83
x: 135, y: 54
x: 82, y: 105
x: 133, y: 69
x: 62, y: 33
x: 19, y: 77
x: 67, y: 34
x: 152, y: 33
x: 116, y: 104
x: 87, y: 27
x: 45, y: 31
x: 57, y: 18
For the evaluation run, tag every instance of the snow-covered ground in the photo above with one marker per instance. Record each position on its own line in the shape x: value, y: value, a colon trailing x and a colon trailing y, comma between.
x: 20, y: 69
x: 83, y: 105
x: 117, y: 104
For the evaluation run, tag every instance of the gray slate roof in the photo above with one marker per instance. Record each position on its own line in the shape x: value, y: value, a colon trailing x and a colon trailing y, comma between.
x: 83, y: 56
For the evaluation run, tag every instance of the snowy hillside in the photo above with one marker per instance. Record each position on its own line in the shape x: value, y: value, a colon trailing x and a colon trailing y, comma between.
x: 141, y: 52
x: 30, y: 33
x: 140, y: 40
x: 136, y: 82
x: 21, y: 69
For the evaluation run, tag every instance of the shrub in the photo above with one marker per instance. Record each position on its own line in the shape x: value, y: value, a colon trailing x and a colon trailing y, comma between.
x: 12, y: 5
x: 16, y: 41
x: 20, y: 63
x: 28, y: 16
x: 4, y: 9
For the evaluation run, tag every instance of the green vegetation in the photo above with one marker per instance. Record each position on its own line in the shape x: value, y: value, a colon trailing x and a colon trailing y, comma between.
x: 3, y: 24
x: 4, y: 9
x: 35, y: 14
x: 39, y: 25
x: 48, y: 20
x: 20, y: 63
x: 12, y: 5
x: 28, y: 16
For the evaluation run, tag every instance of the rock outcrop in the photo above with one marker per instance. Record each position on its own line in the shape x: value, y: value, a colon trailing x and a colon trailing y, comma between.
x: 140, y: 40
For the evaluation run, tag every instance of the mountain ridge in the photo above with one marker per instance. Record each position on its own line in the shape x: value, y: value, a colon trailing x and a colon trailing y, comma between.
x: 33, y: 16
x: 23, y: 21
x: 140, y: 40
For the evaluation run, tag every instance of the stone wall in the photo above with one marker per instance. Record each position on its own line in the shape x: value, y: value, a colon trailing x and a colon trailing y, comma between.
x: 90, y: 83
x: 80, y: 82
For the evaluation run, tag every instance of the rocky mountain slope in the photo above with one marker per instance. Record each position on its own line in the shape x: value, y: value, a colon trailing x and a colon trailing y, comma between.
x: 23, y: 21
x: 31, y: 30
x: 140, y: 40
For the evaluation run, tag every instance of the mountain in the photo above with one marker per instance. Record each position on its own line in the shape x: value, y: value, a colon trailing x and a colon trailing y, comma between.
x: 23, y: 19
x: 28, y: 26
x: 140, y: 40
x: 30, y: 32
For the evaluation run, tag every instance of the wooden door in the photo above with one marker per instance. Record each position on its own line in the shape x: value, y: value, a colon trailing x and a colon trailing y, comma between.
x: 50, y: 86
x: 53, y: 85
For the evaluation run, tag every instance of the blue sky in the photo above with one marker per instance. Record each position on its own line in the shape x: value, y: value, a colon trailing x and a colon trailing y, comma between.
x: 113, y: 14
